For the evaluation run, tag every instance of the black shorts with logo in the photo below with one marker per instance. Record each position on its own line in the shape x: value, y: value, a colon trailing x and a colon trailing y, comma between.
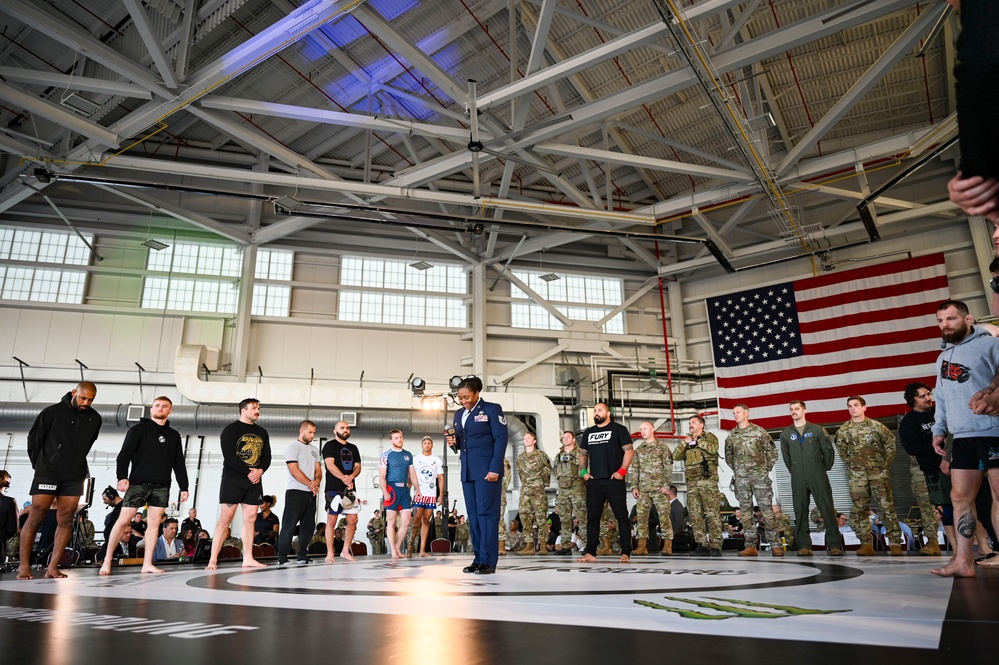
x: 240, y: 490
x: 52, y: 487
x: 976, y: 453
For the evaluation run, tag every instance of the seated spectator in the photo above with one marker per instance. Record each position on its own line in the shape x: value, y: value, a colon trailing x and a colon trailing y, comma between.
x: 192, y: 521
x: 123, y: 549
x: 190, y: 542
x: 267, y: 526
x: 229, y: 540
x: 320, y: 535
x: 734, y: 524
x: 514, y: 539
x: 169, y: 546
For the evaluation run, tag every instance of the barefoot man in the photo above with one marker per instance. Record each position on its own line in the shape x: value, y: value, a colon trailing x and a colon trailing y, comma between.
x: 343, y: 466
x: 968, y: 362
x: 58, y: 444
x: 246, y: 454
x: 153, y: 449
x: 397, y: 474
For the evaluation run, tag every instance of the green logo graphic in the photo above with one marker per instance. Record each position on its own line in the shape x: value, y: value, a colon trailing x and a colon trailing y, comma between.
x: 732, y: 609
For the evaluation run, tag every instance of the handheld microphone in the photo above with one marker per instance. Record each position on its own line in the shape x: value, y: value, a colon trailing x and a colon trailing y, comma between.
x: 450, y: 435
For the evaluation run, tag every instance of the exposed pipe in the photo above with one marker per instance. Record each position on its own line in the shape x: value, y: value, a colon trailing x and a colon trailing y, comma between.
x: 272, y: 418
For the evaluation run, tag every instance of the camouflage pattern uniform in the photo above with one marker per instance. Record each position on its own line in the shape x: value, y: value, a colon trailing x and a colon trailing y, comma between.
x: 651, y: 471
x: 571, y: 500
x: 609, y: 533
x: 784, y: 529
x: 376, y: 534
x: 921, y: 495
x: 751, y: 454
x: 461, y: 536
x: 535, y: 472
x: 507, y: 474
x: 868, y: 448
x: 703, y: 498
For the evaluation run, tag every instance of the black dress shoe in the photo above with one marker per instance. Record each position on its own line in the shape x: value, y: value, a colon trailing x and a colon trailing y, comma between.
x: 716, y: 552
x: 471, y: 569
x: 563, y: 552
x: 700, y: 550
x: 485, y: 569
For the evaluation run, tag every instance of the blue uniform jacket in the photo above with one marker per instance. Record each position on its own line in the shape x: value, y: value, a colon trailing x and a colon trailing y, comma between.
x: 482, y: 440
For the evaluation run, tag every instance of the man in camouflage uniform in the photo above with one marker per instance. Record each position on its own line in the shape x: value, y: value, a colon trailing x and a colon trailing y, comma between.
x: 700, y: 457
x: 571, y: 499
x: 751, y: 454
x: 535, y: 472
x: 610, y: 537
x: 461, y: 535
x: 651, y: 474
x: 376, y: 533
x: 915, y: 431
x: 783, y: 526
x: 868, y: 449
x: 502, y: 521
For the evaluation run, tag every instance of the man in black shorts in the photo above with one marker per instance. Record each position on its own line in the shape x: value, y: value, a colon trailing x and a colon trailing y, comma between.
x: 968, y: 363
x: 152, y: 448
x: 343, y: 465
x: 246, y: 454
x: 58, y: 444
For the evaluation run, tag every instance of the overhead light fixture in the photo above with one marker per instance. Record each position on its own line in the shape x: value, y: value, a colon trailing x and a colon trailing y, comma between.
x: 432, y: 403
x: 286, y: 204
x: 454, y: 383
x: 549, y: 277
x: 421, y: 265
x: 155, y: 244
x: 81, y: 105
x: 418, y: 385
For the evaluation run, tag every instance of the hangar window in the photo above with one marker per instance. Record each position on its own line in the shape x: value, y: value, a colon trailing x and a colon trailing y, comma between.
x: 579, y: 297
x: 384, y: 298
x: 41, y: 283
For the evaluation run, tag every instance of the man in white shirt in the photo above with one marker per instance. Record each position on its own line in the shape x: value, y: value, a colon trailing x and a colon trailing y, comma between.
x: 430, y: 472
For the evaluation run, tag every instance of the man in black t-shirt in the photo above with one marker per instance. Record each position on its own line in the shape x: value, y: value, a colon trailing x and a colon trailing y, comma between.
x: 246, y: 454
x: 605, y: 453
x: 343, y: 465
x: 153, y: 449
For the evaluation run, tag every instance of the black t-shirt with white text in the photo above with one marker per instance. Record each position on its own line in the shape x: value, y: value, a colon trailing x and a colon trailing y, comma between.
x: 605, y: 446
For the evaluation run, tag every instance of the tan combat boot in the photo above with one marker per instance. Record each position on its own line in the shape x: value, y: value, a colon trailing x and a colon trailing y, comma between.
x: 931, y: 548
x: 896, y: 550
x: 605, y: 547
x: 641, y: 550
x: 502, y: 547
x: 835, y: 552
x: 527, y: 549
x: 749, y: 551
x: 668, y: 548
x: 866, y: 549
x: 776, y: 551
x: 805, y: 551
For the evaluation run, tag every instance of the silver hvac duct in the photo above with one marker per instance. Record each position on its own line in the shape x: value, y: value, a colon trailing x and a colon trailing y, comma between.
x: 274, y: 418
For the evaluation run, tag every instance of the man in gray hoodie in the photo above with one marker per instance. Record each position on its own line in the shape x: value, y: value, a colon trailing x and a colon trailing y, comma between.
x: 969, y: 361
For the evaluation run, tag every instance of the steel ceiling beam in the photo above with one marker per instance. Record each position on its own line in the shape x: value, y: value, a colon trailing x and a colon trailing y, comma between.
x: 58, y: 114
x: 145, y: 29
x: 74, y: 82
x: 651, y: 163
x: 70, y: 36
x: 863, y: 85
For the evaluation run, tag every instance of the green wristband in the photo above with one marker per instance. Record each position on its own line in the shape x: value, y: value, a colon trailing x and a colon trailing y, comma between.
x: 582, y: 474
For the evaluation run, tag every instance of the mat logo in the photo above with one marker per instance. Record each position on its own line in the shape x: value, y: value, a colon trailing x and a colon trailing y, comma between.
x: 731, y: 609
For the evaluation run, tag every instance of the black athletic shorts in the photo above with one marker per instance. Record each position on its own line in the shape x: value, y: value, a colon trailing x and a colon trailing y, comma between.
x: 152, y: 494
x: 241, y: 490
x: 975, y: 453
x: 52, y: 487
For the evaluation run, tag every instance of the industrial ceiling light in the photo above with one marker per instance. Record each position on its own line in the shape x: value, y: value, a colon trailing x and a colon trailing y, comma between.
x: 418, y: 385
x: 549, y: 277
x: 421, y: 265
x: 454, y: 383
x: 155, y: 244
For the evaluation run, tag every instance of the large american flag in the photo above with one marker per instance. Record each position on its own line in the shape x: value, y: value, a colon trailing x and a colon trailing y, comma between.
x: 868, y: 332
